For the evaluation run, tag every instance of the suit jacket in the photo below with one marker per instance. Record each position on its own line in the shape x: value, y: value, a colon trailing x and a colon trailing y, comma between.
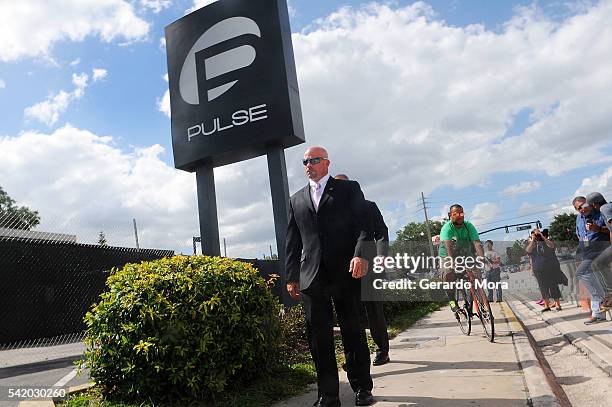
x: 381, y: 232
x: 330, y: 236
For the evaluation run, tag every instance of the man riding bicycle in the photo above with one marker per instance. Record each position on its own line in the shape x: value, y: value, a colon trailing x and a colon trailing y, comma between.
x: 459, y: 240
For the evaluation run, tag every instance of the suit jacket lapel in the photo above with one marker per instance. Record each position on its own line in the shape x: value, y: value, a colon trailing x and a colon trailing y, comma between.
x: 307, y: 198
x: 329, y: 187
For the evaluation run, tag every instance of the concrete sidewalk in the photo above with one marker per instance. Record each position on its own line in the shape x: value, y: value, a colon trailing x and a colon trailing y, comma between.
x: 594, y: 340
x: 434, y: 364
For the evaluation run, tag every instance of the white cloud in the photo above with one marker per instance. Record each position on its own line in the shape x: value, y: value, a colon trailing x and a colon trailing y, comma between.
x: 404, y: 103
x: 598, y: 183
x: 155, y: 5
x: 99, y: 74
x: 50, y: 110
x: 484, y: 213
x: 163, y: 104
x: 30, y: 29
x: 199, y: 4
x: 526, y: 208
x: 436, y: 100
x: 522, y: 188
x: 162, y: 44
x: 75, y: 62
x: 291, y: 8
x: 86, y: 184
x: 2, y: 84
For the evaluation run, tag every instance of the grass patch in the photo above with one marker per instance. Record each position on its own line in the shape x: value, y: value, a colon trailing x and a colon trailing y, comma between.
x: 283, y: 383
x: 405, y: 319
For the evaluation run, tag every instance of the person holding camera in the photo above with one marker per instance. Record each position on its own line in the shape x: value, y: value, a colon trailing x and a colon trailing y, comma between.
x: 594, y: 238
x: 541, y: 251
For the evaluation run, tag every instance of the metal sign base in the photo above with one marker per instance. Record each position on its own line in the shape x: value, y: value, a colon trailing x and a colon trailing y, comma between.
x: 207, y: 210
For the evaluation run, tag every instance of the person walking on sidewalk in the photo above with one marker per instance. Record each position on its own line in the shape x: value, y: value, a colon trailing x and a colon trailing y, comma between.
x: 604, y: 260
x: 327, y: 236
x: 493, y: 270
x: 594, y: 238
x: 541, y: 251
x: 374, y: 307
x: 596, y: 200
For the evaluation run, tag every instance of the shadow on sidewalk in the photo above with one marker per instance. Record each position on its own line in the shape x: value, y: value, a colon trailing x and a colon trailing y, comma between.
x: 30, y: 368
x: 428, y: 365
x: 406, y: 401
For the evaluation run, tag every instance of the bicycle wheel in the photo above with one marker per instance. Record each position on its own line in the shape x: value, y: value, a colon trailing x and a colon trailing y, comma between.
x: 484, y: 313
x: 463, y: 315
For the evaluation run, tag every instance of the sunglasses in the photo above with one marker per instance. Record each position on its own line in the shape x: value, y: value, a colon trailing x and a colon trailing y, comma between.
x: 312, y: 161
x: 583, y: 206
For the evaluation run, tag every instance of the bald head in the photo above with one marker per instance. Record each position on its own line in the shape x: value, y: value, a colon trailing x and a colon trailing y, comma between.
x: 320, y: 167
x: 316, y: 152
x: 342, y: 176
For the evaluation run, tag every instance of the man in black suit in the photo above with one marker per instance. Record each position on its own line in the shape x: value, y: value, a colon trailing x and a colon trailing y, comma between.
x: 326, y: 243
x: 374, y: 308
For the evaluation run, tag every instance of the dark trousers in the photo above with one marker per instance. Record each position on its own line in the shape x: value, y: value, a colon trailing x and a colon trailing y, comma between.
x: 378, y: 325
x: 494, y: 275
x: 549, y: 288
x: 319, y: 324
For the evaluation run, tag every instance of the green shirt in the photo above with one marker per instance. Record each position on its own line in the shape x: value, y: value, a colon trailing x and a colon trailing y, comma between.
x: 462, y: 238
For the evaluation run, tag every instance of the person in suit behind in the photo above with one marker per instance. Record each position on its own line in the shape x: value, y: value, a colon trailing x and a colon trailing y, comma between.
x: 326, y: 243
x: 374, y: 309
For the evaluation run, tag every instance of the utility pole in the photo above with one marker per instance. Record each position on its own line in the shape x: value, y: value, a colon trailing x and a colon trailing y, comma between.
x: 431, y: 248
x: 224, y: 248
x: 136, y: 234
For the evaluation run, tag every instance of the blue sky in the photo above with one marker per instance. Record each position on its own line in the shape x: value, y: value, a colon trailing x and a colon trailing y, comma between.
x: 498, y: 105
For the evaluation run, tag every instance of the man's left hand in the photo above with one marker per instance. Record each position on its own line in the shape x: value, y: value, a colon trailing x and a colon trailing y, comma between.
x: 358, y: 267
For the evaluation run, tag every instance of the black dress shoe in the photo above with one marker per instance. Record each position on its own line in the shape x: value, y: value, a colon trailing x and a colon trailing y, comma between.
x: 363, y: 398
x: 381, y: 359
x: 325, y: 401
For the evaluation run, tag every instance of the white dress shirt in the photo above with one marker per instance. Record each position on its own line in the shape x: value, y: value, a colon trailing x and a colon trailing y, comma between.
x: 316, y: 190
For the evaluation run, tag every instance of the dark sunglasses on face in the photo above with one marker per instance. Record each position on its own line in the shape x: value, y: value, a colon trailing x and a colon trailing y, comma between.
x: 313, y: 161
x: 583, y: 206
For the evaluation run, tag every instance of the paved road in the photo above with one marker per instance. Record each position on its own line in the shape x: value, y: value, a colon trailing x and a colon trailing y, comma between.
x: 38, y: 368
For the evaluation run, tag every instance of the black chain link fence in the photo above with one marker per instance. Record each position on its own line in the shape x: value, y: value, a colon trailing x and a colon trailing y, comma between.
x: 48, y: 282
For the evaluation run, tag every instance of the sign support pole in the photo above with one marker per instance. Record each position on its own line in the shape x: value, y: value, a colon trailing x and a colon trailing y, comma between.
x: 279, y: 186
x: 207, y: 210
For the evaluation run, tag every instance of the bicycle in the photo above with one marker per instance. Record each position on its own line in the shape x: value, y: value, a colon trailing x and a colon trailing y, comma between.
x: 465, y: 312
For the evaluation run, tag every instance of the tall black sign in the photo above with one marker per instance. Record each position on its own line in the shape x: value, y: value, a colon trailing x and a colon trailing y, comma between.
x: 233, y: 85
x: 234, y: 96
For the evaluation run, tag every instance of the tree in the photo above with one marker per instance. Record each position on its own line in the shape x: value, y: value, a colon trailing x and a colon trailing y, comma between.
x: 516, y: 252
x: 16, y: 217
x: 412, y: 239
x: 102, y: 239
x: 562, y: 228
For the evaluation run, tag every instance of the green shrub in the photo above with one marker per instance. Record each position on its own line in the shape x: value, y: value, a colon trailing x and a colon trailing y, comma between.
x: 294, y: 341
x: 181, y: 327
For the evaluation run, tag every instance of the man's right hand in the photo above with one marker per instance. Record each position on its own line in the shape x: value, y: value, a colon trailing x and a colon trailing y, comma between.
x: 294, y: 290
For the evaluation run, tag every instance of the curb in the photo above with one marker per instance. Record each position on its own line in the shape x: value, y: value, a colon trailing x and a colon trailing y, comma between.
x: 598, y: 352
x: 539, y: 390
